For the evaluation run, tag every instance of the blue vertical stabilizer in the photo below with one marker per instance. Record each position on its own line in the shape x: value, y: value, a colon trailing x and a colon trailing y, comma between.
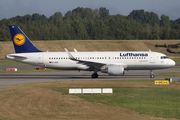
x: 21, y: 42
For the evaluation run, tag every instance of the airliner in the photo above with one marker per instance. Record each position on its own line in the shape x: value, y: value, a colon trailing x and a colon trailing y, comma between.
x: 112, y: 63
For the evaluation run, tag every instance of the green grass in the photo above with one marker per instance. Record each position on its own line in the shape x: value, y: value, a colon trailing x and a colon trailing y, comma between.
x: 161, y: 102
x: 177, y: 61
x: 10, y: 62
x: 173, y: 74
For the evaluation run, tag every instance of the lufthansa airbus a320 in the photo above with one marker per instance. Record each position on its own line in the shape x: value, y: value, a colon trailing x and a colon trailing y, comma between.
x: 112, y: 63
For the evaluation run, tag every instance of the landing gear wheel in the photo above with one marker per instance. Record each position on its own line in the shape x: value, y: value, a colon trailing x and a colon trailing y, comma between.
x: 151, y: 76
x: 95, y: 75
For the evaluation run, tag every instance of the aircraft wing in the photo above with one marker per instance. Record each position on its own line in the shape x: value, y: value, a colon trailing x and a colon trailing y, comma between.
x: 88, y: 63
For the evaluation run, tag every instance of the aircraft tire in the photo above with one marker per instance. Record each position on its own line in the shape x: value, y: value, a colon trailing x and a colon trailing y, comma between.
x: 151, y: 76
x: 94, y: 75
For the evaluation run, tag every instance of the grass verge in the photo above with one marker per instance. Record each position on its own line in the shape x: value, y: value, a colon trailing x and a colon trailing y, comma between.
x: 161, y: 102
x: 154, y: 101
x: 177, y: 61
x: 10, y: 62
x: 50, y: 100
x: 172, y: 74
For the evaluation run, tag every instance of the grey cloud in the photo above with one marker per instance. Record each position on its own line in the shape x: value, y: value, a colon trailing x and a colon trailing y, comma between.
x: 12, y: 8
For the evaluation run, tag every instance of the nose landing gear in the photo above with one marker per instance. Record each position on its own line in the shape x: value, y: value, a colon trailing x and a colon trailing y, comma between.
x: 151, y: 74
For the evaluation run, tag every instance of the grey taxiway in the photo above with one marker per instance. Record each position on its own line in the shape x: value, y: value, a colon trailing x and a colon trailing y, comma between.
x: 9, y: 79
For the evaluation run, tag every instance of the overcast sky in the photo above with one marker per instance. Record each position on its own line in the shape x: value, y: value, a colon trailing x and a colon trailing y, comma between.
x: 12, y: 8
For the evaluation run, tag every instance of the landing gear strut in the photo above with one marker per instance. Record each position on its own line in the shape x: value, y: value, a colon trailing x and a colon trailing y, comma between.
x: 151, y: 74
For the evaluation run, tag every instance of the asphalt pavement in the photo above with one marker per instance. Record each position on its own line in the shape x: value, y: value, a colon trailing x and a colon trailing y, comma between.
x: 9, y: 79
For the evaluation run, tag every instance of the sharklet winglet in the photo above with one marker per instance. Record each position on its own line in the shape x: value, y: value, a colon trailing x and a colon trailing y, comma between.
x: 69, y: 54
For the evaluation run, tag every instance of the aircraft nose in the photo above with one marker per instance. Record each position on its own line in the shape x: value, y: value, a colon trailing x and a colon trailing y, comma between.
x: 172, y: 63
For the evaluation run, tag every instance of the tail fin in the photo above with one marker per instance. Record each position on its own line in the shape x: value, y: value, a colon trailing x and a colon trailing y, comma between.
x: 21, y: 42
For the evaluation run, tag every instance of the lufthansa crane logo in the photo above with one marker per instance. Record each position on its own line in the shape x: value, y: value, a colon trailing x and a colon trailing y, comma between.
x: 19, y: 39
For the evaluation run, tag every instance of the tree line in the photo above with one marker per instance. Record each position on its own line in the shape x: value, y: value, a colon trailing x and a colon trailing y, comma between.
x: 94, y: 24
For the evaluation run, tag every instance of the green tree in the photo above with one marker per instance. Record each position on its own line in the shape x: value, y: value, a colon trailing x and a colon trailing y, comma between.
x: 104, y: 13
x: 56, y: 18
x: 165, y: 26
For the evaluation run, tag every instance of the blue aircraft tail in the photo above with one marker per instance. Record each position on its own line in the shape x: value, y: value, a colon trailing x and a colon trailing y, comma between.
x: 21, y: 42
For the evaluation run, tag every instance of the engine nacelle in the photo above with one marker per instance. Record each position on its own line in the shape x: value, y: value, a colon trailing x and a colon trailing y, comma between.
x: 114, y: 70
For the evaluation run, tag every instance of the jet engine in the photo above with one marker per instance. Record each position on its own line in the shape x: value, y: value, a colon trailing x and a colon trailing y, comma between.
x: 113, y: 70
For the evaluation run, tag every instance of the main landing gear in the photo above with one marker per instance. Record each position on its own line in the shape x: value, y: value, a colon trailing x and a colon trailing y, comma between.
x: 95, y: 75
x: 151, y: 74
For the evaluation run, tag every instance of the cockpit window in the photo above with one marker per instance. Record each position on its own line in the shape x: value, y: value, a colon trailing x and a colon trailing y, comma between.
x: 164, y: 57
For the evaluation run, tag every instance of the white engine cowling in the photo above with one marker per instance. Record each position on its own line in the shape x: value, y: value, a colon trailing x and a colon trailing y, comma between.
x: 114, y: 70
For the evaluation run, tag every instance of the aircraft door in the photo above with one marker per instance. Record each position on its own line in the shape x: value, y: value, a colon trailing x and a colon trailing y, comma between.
x: 152, y: 58
x: 40, y: 59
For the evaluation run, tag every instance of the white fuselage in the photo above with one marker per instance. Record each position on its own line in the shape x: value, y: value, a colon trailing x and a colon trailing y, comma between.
x: 141, y: 60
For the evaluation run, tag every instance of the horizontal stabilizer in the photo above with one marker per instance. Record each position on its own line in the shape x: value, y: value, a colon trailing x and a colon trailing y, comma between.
x: 15, y: 56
